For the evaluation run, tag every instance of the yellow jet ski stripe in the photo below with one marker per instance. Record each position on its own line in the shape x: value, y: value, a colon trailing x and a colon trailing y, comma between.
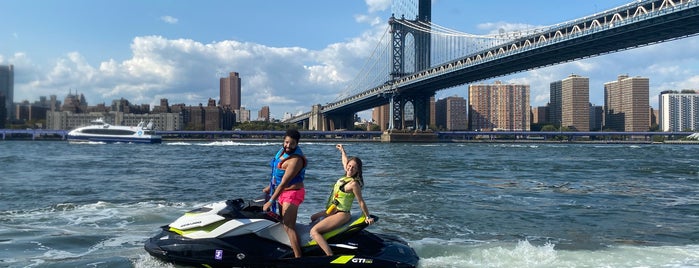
x: 337, y: 231
x: 342, y: 259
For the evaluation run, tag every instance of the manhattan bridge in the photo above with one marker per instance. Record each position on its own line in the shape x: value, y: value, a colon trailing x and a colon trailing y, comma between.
x: 416, y: 57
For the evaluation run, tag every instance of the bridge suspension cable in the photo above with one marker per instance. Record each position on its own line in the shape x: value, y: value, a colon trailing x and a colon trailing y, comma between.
x: 447, y: 44
x: 375, y: 71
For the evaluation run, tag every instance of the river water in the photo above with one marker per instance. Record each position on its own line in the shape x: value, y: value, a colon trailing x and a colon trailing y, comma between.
x: 457, y: 204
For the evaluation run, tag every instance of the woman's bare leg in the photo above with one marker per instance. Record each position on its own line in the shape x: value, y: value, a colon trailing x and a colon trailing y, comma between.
x: 325, y: 225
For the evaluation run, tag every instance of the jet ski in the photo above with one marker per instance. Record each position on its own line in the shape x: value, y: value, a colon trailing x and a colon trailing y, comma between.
x: 237, y: 233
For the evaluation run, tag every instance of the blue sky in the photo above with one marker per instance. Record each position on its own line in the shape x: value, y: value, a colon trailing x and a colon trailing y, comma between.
x: 290, y: 54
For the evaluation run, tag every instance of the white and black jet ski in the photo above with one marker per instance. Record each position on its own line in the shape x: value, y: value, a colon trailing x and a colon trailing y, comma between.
x: 236, y: 233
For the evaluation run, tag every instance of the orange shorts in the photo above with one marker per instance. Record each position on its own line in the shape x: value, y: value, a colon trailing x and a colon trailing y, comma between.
x: 294, y: 197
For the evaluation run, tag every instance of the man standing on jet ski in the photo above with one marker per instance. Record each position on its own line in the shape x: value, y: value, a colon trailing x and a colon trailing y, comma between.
x: 286, y: 185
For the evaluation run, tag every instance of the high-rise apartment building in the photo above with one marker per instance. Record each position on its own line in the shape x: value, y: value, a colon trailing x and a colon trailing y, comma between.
x: 164, y: 107
x: 263, y: 114
x: 433, y: 113
x: 570, y: 103
x: 499, y: 107
x: 539, y: 115
x: 452, y: 113
x: 554, y: 105
x: 242, y: 115
x: 3, y: 111
x: 381, y: 116
x: 75, y: 103
x: 679, y: 111
x: 7, y: 89
x: 626, y: 104
x: 230, y: 91
x: 596, y: 115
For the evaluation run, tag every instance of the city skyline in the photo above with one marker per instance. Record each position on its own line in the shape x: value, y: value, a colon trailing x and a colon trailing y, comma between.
x: 169, y: 52
x: 370, y: 116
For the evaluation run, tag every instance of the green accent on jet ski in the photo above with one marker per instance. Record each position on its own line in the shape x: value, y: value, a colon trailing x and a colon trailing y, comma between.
x: 342, y: 259
x: 338, y: 230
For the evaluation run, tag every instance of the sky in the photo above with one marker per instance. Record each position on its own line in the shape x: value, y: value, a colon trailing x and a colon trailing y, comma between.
x: 290, y: 55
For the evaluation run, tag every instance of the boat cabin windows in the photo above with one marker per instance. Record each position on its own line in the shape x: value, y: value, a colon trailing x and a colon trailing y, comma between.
x: 108, y: 131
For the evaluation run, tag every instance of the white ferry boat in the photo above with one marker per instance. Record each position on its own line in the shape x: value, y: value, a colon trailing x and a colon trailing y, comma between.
x: 99, y: 131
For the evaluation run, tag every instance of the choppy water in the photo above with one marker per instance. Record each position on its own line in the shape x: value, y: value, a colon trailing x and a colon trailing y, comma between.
x: 458, y: 205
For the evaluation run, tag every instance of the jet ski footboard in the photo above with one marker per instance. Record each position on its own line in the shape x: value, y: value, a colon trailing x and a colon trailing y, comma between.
x: 240, y: 209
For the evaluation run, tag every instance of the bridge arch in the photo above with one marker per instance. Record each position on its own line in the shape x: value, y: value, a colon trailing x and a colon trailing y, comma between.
x: 615, y: 18
x: 558, y: 34
x: 640, y: 11
x: 667, y: 4
x: 409, y: 52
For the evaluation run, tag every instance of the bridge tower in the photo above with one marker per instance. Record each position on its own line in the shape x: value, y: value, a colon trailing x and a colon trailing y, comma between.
x: 403, y: 40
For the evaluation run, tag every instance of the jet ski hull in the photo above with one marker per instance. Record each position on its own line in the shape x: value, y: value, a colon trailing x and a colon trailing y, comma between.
x: 373, y: 250
x: 250, y: 243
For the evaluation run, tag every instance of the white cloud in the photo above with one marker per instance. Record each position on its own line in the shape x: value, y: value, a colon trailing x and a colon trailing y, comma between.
x: 378, y: 5
x: 288, y: 79
x: 505, y: 27
x: 691, y: 83
x: 368, y: 19
x: 169, y: 19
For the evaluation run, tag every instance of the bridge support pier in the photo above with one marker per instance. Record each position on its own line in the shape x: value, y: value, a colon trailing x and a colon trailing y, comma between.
x: 340, y: 121
x: 409, y: 119
x: 409, y: 112
x: 316, y: 121
x: 328, y: 122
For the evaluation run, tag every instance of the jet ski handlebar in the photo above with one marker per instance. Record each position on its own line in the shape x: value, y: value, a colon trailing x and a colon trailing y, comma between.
x: 252, y: 209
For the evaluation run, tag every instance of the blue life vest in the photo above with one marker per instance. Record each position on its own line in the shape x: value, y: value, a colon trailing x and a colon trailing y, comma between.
x: 278, y: 172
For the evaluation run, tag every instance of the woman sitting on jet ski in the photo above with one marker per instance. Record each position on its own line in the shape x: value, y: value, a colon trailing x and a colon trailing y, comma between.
x: 337, y: 210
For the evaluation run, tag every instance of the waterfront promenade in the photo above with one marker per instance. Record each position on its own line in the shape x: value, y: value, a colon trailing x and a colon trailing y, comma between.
x: 375, y: 136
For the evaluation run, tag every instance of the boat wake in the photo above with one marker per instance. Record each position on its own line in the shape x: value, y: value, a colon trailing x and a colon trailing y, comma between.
x: 436, y: 253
